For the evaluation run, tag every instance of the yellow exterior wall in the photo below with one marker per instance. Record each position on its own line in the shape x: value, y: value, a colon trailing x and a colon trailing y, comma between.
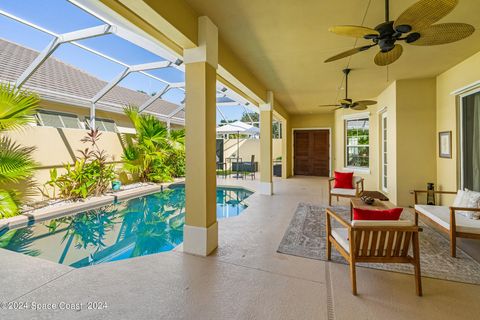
x: 249, y: 147
x: 461, y: 75
x: 371, y: 176
x: 416, y: 138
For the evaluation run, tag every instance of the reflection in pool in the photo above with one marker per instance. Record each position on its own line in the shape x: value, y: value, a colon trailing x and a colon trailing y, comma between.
x: 132, y: 228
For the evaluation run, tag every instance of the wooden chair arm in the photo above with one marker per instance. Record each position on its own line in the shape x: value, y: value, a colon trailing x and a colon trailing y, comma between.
x: 464, y: 209
x: 340, y: 220
x: 416, y: 192
x: 358, y: 184
x: 439, y: 192
x: 330, y: 180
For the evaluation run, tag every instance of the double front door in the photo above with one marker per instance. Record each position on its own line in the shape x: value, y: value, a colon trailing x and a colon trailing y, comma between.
x: 312, y: 152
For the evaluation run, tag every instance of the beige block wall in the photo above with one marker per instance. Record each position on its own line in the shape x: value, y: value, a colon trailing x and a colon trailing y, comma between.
x: 57, y: 147
x: 249, y: 147
x: 460, y: 76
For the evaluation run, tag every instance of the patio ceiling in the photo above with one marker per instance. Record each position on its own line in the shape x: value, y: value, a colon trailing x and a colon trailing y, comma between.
x: 286, y: 42
x: 226, y: 97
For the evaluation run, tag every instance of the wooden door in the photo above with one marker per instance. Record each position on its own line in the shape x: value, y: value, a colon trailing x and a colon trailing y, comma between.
x: 312, y: 152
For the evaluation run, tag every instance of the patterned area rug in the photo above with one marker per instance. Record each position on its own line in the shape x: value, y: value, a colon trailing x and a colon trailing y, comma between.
x: 305, y: 237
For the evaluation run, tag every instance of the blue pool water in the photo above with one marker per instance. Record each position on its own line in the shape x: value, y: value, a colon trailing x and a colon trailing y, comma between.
x: 132, y: 228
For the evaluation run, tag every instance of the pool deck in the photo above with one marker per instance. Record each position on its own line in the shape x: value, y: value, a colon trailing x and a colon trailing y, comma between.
x: 244, y: 279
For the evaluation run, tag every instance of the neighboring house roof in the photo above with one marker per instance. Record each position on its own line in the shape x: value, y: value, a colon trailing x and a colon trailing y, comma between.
x: 59, y: 81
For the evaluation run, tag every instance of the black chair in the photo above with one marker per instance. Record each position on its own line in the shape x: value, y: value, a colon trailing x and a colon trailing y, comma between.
x: 249, y: 168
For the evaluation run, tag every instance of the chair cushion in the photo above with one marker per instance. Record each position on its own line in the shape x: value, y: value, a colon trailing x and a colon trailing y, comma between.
x: 366, y: 214
x: 343, y: 180
x: 344, y: 192
x: 341, y: 235
x: 441, y: 216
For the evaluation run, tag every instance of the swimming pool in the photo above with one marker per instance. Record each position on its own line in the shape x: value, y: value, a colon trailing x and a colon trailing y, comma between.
x: 136, y: 227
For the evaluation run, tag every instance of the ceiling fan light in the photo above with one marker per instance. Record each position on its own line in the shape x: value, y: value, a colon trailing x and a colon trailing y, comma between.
x: 412, y: 37
x: 370, y: 36
x: 404, y: 28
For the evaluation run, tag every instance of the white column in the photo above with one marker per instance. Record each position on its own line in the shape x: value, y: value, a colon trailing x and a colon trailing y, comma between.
x: 266, y: 153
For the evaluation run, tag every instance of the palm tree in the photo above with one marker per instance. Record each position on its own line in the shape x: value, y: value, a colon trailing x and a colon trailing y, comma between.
x: 148, y: 157
x: 17, y: 109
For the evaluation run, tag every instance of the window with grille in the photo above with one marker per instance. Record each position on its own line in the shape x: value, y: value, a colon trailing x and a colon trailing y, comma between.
x: 357, y: 143
x: 58, y: 119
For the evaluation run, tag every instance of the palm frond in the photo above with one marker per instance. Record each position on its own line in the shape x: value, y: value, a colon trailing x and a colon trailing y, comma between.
x: 16, y: 162
x: 17, y: 107
x: 8, y: 204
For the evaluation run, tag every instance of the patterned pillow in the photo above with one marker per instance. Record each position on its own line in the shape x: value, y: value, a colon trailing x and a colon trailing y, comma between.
x: 468, y: 199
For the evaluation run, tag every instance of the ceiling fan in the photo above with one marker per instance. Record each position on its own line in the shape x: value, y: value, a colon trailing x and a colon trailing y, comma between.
x: 415, y: 26
x: 349, y: 103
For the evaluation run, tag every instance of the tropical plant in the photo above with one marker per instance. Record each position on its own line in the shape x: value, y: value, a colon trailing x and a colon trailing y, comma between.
x: 17, y: 109
x: 155, y: 155
x: 89, y: 176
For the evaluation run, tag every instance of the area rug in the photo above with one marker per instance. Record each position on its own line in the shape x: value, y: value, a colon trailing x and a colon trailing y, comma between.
x: 305, y: 237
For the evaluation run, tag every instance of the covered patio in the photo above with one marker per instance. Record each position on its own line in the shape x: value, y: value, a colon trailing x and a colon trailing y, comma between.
x: 401, y: 130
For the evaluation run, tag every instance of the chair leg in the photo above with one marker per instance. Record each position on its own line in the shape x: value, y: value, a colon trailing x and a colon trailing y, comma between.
x: 453, y: 244
x: 353, y: 277
x: 329, y: 200
x: 418, y: 274
x: 338, y: 198
x: 329, y: 249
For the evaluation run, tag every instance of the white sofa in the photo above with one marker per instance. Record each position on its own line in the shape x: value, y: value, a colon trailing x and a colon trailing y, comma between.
x: 448, y: 220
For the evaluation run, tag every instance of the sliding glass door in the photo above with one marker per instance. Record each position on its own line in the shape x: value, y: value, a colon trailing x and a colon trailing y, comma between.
x: 470, y: 141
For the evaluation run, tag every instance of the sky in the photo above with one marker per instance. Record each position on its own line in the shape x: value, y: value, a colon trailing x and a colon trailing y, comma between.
x: 60, y: 16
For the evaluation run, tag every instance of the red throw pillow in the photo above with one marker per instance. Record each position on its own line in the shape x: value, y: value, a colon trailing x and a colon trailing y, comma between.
x: 366, y: 214
x: 343, y: 180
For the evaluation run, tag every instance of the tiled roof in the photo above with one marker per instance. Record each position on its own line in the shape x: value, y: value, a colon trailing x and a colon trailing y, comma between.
x: 55, y: 76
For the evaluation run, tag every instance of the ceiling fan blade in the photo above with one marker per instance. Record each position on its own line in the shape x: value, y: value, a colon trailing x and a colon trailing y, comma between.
x: 443, y: 33
x: 389, y: 57
x: 348, y: 53
x: 423, y: 14
x: 358, y: 107
x: 353, y: 31
x: 345, y: 101
x: 328, y: 105
x: 366, y: 102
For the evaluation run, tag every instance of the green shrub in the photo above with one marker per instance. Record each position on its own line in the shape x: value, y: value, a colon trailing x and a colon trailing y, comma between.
x: 89, y: 176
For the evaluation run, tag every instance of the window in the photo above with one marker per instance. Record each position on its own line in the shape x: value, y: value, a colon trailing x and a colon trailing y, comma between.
x: 469, y: 146
x: 384, y: 152
x: 58, y: 119
x: 102, y: 124
x: 357, y: 143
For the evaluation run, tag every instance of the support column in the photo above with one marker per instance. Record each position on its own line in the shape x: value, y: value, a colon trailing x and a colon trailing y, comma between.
x: 286, y: 149
x: 266, y: 165
x: 201, y: 229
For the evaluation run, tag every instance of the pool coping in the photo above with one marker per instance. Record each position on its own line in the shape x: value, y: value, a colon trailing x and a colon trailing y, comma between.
x: 48, y: 213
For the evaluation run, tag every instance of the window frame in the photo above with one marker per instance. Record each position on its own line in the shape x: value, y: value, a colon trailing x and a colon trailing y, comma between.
x: 358, y: 117
x: 59, y: 114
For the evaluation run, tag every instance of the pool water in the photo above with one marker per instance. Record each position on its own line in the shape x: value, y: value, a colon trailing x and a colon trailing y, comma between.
x: 132, y: 228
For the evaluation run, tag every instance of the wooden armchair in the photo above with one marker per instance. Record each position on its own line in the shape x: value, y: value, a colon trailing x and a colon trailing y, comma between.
x: 358, y: 183
x: 374, y: 242
x: 447, y: 219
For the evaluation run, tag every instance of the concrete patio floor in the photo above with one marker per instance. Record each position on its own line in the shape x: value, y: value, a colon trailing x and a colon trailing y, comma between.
x: 244, y: 279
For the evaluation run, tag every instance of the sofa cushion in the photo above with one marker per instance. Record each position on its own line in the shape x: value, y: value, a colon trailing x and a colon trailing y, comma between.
x: 366, y: 214
x: 343, y: 180
x: 441, y: 216
x: 341, y: 235
x: 344, y: 192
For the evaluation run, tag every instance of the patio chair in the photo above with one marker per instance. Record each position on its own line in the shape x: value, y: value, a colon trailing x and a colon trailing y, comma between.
x: 358, y: 183
x: 370, y: 241
x: 249, y: 168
